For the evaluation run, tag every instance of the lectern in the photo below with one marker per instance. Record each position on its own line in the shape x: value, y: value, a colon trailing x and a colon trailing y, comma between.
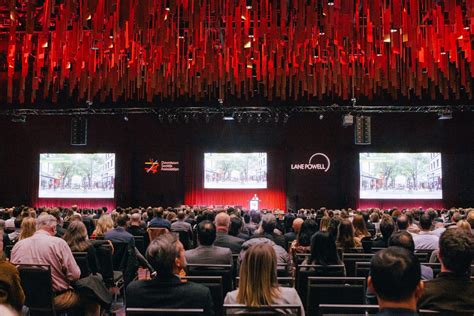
x: 254, y: 203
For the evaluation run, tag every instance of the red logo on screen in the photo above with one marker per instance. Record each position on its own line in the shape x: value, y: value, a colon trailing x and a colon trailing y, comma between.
x: 151, y: 166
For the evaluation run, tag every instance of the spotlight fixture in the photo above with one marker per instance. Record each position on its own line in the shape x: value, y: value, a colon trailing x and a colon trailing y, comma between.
x: 330, y: 2
x: 18, y: 118
x: 249, y: 118
x: 248, y: 4
x: 228, y: 117
x: 321, y: 116
x: 259, y: 118
x: 445, y: 115
x: 160, y: 118
x: 285, y: 118
x: 125, y: 118
x: 238, y: 117
x: 347, y: 120
x: 277, y: 117
x: 207, y: 117
x: 186, y: 118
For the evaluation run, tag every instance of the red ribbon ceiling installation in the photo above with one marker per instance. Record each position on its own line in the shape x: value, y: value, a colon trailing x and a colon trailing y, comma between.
x: 280, y: 49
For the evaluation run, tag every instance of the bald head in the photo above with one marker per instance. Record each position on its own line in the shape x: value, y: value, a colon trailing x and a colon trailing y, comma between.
x: 222, y: 221
x: 297, y: 224
x: 135, y: 218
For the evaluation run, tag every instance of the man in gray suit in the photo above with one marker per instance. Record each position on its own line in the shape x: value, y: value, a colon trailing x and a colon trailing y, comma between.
x: 206, y: 252
x: 223, y: 238
x: 181, y: 225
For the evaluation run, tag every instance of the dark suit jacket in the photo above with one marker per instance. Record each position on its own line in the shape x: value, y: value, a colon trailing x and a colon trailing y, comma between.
x: 209, y: 255
x: 119, y: 234
x: 227, y: 241
x: 169, y: 292
x: 159, y: 222
x: 448, y: 293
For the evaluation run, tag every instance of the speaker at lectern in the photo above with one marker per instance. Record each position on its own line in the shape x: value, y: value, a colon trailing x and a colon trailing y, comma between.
x: 254, y: 203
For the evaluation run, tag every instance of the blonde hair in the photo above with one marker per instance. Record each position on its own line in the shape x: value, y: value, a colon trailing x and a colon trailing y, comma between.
x: 28, y: 228
x: 324, y: 223
x: 258, y: 278
x: 104, y: 224
x: 464, y: 225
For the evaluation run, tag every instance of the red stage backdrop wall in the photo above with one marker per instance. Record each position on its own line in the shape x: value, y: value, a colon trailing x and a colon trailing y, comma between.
x: 81, y: 203
x: 274, y: 197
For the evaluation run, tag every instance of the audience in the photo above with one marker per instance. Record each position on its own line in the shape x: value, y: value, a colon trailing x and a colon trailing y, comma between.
x: 345, y: 236
x: 425, y: 239
x: 28, y: 228
x: 387, y: 227
x: 452, y: 290
x: 267, y: 230
x: 77, y: 240
x: 104, y: 224
x: 223, y: 239
x: 360, y: 228
x: 158, y: 221
x: 166, y: 255
x: 258, y: 281
x: 207, y: 252
x: 395, y: 278
x: 120, y: 234
x: 323, y: 251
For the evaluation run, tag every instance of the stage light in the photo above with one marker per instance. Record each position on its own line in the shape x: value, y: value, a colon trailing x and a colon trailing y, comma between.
x: 248, y: 4
x: 285, y: 118
x: 160, y: 118
x: 249, y: 117
x: 207, y: 117
x: 445, y: 115
x: 125, y: 118
x: 259, y: 118
x: 18, y: 118
x: 321, y: 116
x: 228, y: 117
x: 347, y: 120
x: 186, y: 118
x: 239, y: 117
x: 330, y: 2
x: 277, y: 117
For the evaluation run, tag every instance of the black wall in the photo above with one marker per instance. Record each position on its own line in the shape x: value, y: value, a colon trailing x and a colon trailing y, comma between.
x: 144, y: 137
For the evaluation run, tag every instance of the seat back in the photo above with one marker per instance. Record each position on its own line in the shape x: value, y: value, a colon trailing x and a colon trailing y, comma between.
x: 350, y: 259
x: 104, y: 256
x: 186, y: 238
x: 331, y: 290
x: 423, y: 256
x: 82, y: 262
x: 134, y: 311
x: 215, y: 286
x: 347, y: 309
x: 304, y: 271
x: 282, y: 281
x: 362, y: 269
x: 231, y: 309
x: 140, y: 244
x: 222, y: 270
x: 37, y: 285
x: 154, y: 232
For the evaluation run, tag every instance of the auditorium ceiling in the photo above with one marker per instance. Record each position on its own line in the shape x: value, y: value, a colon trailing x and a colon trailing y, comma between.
x: 152, y: 52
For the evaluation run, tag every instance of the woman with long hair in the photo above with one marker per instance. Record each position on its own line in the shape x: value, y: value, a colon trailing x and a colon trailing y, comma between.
x: 28, y: 228
x: 104, y: 224
x: 324, y: 223
x: 76, y: 238
x: 345, y: 236
x: 360, y: 228
x: 258, y: 284
x: 324, y: 253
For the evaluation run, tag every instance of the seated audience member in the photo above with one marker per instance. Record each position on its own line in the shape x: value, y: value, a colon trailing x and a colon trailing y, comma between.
x: 425, y: 239
x: 166, y: 290
x: 28, y: 228
x: 181, y: 224
x: 135, y: 228
x: 302, y: 243
x: 324, y: 223
x: 360, y: 227
x: 235, y: 228
x: 403, y: 222
x: 295, y: 226
x: 387, y: 227
x: 207, y: 252
x: 120, y: 234
x: 405, y: 240
x: 258, y: 281
x: 158, y: 221
x: 4, y: 240
x: 375, y: 220
x: 13, y: 236
x: 44, y: 248
x: 323, y: 251
x: 76, y: 238
x: 254, y: 222
x: 59, y: 229
x: 283, y: 259
x: 395, y: 278
x: 470, y: 220
x: 345, y: 236
x: 267, y: 230
x: 12, y: 293
x: 452, y: 290
x: 463, y: 224
x: 223, y: 239
x: 10, y: 223
x: 104, y: 224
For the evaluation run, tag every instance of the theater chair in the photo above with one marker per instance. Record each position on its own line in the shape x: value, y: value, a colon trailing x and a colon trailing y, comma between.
x: 37, y: 285
x: 303, y: 272
x: 342, y: 310
x: 222, y: 270
x: 350, y: 260
x: 233, y: 309
x: 82, y: 262
x: 215, y: 286
x: 136, y: 311
x: 282, y: 281
x: 331, y: 290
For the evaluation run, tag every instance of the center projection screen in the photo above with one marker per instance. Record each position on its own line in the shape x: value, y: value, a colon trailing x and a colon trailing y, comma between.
x: 77, y: 176
x: 400, y: 176
x: 235, y: 170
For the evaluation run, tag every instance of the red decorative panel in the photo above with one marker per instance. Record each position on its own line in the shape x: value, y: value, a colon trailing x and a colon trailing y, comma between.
x: 139, y: 50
